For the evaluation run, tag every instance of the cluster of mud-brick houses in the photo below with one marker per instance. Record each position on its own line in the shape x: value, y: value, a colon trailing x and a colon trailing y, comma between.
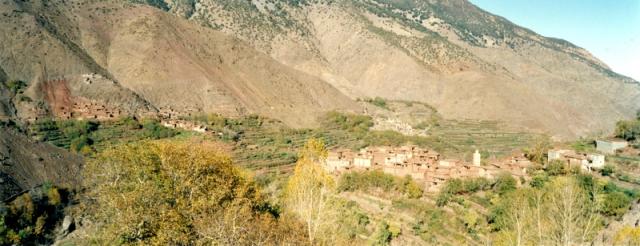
x: 422, y: 164
x: 428, y: 166
x: 170, y: 118
x: 85, y: 109
x: 586, y: 161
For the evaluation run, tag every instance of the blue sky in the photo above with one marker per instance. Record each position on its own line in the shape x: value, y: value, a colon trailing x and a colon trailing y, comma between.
x: 609, y: 29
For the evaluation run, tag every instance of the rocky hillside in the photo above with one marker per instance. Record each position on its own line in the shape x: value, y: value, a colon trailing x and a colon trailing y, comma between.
x: 164, y: 60
x: 464, y: 61
x: 25, y: 164
x: 294, y: 60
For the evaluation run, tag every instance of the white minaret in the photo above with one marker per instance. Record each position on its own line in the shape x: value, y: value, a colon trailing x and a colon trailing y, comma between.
x: 476, y: 158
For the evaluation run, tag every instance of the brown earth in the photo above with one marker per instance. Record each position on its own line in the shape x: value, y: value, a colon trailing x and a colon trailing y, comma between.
x: 295, y: 60
x: 467, y: 63
x: 25, y: 163
x: 168, y: 61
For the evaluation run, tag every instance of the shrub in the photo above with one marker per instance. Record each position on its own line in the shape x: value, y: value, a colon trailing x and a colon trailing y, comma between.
x: 463, y: 186
x: 443, y: 199
x: 30, y: 218
x: 383, y: 235
x: 350, y: 122
x: 379, y: 102
x: 154, y: 130
x: 476, y: 184
x: 411, y: 188
x: 129, y: 123
x: 16, y: 86
x: 377, y: 179
x: 79, y: 143
x: 353, y: 181
x: 539, y: 180
x: 556, y: 167
x: 616, y: 204
x: 504, y: 183
x: 607, y: 170
x: 25, y: 99
x: 628, y: 130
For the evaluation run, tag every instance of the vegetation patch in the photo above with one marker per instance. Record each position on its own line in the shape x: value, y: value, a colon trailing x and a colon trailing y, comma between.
x: 31, y: 218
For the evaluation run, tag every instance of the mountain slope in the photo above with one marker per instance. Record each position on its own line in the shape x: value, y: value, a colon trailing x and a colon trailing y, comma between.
x: 294, y: 60
x: 451, y: 54
x: 168, y: 62
x: 25, y: 164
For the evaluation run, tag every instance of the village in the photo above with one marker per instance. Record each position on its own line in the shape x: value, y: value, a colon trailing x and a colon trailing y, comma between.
x: 432, y: 170
x: 170, y: 118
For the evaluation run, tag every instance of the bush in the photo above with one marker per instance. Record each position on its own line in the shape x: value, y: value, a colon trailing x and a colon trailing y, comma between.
x: 607, y: 170
x: 351, y: 221
x: 377, y: 179
x: 80, y: 143
x: 539, y: 180
x: 411, y: 188
x: 455, y: 187
x: 504, y: 183
x: 628, y: 130
x: 476, y: 184
x: 556, y: 167
x: 464, y: 186
x: 349, y: 122
x: 378, y: 101
x: 30, y: 219
x: 129, y: 123
x: 383, y: 235
x: 16, y: 86
x: 616, y: 204
x: 25, y: 99
x: 443, y: 199
x: 154, y: 130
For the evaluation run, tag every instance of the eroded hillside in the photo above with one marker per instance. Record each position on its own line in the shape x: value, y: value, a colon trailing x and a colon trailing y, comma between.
x: 164, y: 61
x: 294, y: 60
x: 464, y: 61
x: 25, y: 164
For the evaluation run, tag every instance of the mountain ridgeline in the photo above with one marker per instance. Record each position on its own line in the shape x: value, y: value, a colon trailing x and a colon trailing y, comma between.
x: 294, y: 60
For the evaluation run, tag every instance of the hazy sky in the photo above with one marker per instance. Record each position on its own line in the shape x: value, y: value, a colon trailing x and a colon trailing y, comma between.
x: 609, y: 29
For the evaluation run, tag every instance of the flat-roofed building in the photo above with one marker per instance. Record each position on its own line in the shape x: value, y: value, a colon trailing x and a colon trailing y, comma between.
x: 610, y: 146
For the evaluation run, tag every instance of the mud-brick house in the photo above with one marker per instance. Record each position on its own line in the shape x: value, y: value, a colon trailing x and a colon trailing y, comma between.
x: 338, y: 160
x: 363, y: 159
x: 585, y: 161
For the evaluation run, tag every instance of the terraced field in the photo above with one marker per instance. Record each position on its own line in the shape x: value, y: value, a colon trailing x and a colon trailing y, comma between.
x: 270, y: 148
x: 265, y: 145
